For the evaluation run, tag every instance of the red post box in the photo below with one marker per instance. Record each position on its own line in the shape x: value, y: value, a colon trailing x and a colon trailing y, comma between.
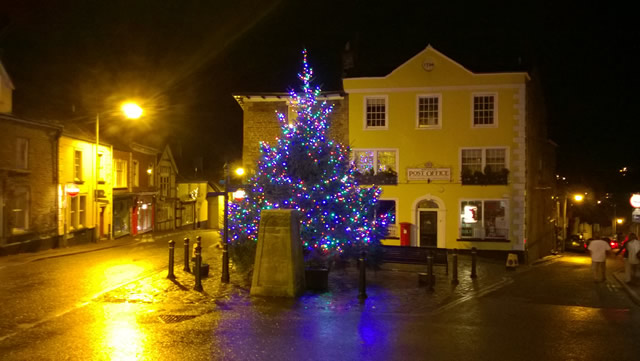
x: 405, y: 233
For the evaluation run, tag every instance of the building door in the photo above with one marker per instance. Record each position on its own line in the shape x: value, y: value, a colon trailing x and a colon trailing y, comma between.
x: 428, y: 231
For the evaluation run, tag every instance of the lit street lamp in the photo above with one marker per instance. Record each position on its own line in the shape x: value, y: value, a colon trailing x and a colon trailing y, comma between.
x: 225, y: 240
x: 130, y: 110
x: 576, y: 197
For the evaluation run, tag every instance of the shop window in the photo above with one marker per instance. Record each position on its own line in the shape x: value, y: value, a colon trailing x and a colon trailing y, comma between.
x: 484, y: 219
x: 387, y: 208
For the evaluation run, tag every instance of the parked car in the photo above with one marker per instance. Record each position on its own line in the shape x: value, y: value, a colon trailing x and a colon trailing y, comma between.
x: 575, y: 243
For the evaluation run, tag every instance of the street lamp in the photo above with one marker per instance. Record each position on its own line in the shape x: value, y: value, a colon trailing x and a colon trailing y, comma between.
x: 130, y: 110
x: 225, y: 241
x: 577, y: 198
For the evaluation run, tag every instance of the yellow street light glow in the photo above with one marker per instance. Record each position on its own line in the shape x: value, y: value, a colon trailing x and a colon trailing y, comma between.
x: 239, y: 171
x: 131, y: 110
x: 578, y: 197
x: 149, y: 171
x: 620, y: 220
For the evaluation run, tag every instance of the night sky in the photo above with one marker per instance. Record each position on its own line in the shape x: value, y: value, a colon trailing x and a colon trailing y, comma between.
x: 184, y: 59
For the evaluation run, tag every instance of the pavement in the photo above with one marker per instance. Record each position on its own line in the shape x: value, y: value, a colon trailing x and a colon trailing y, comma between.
x: 393, y: 288
x: 632, y: 288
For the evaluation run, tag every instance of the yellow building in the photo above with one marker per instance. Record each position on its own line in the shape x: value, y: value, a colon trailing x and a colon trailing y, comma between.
x: 84, y: 190
x: 462, y: 157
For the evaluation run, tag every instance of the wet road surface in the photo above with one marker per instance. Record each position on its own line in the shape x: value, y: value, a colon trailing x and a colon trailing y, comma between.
x: 117, y: 304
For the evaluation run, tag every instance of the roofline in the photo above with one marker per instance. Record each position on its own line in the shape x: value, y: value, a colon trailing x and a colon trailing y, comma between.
x: 449, y: 59
x: 278, y: 97
x: 11, y: 117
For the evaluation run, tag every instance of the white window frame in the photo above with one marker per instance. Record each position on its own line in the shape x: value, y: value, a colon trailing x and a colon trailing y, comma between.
x: 375, y: 156
x: 77, y: 166
x: 484, y: 157
x: 386, y: 112
x: 495, y: 110
x: 426, y: 127
x: 22, y: 190
x: 124, y: 173
x: 22, y: 153
x: 136, y: 173
x: 394, y: 231
x: 481, y: 221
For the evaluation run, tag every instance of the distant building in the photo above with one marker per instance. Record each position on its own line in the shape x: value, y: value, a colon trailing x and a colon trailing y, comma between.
x: 134, y: 193
x: 167, y: 200
x: 194, y: 206
x: 28, y: 178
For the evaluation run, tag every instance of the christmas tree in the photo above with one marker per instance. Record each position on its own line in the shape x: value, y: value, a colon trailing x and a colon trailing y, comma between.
x: 307, y: 171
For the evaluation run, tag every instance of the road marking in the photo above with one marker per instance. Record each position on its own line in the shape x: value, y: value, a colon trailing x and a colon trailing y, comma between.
x: 504, y: 282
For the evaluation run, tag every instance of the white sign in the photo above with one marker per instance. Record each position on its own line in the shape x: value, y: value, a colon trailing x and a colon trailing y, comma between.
x: 635, y: 216
x: 470, y: 214
x: 428, y: 174
x: 635, y: 201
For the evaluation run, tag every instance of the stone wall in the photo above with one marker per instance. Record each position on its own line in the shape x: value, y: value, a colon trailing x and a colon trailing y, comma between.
x: 260, y: 123
x: 39, y: 178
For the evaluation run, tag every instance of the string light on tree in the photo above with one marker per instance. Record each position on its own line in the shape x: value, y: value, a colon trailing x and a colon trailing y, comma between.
x: 307, y: 171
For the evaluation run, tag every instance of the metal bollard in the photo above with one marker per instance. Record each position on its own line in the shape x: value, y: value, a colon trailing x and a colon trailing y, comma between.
x: 432, y: 278
x: 454, y: 266
x: 196, y: 269
x: 362, y: 294
x: 473, y: 263
x: 225, y: 262
x: 172, y: 246
x: 186, y: 255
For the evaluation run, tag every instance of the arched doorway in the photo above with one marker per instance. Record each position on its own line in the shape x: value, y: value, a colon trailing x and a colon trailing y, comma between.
x: 429, y: 216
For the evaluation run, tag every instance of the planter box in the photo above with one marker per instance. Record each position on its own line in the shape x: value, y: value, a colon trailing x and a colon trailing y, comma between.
x: 316, y: 279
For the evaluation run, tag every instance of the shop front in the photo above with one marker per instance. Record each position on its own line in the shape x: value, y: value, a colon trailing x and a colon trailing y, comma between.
x: 142, y: 215
x: 121, y: 216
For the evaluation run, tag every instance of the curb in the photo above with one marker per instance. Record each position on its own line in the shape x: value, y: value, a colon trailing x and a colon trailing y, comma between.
x: 632, y: 293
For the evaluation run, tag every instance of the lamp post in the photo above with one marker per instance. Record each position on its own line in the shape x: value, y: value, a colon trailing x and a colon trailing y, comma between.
x: 225, y: 240
x: 577, y: 198
x: 131, y: 111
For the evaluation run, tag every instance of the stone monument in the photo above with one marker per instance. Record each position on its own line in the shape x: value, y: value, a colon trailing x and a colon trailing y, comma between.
x: 279, y: 267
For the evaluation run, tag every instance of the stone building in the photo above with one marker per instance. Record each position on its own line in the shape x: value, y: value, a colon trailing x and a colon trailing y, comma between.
x: 28, y: 178
x: 260, y: 123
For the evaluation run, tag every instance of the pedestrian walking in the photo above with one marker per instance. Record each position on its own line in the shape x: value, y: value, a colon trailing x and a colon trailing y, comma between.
x: 598, y: 249
x: 629, y: 249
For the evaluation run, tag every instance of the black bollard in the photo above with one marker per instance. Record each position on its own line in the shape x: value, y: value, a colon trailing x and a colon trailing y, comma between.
x: 225, y: 261
x: 454, y: 266
x: 473, y: 263
x: 186, y: 255
x: 172, y: 246
x: 362, y: 294
x: 196, y: 269
x: 432, y: 278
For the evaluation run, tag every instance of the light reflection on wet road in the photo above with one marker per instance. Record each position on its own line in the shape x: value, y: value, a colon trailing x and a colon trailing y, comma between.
x: 551, y: 312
